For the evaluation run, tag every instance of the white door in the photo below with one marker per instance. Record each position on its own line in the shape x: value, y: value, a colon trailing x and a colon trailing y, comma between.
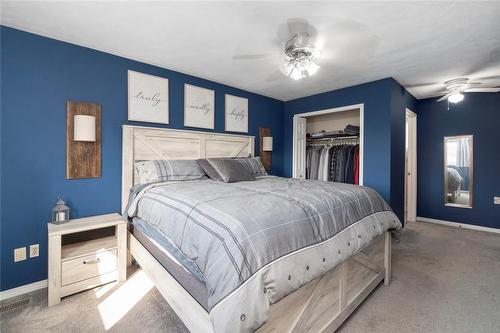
x: 411, y: 167
x: 299, y: 148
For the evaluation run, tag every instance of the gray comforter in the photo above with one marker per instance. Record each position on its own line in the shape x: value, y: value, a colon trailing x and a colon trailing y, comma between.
x: 252, y: 240
x: 454, y: 180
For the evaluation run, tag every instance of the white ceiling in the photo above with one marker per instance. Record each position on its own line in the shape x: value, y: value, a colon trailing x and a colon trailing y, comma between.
x: 420, y: 44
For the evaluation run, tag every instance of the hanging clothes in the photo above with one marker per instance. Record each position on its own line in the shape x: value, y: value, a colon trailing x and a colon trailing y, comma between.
x: 349, y: 166
x: 333, y: 160
x: 338, y: 163
x: 314, y: 167
x: 323, y: 163
x: 356, y: 165
x: 308, y: 162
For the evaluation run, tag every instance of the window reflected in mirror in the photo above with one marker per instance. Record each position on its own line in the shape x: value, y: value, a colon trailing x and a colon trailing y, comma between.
x: 458, y: 171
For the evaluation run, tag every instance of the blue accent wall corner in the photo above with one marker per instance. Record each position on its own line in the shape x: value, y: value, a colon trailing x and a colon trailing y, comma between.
x: 478, y: 114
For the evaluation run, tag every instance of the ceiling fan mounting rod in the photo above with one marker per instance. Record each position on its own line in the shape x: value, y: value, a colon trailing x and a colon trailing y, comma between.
x: 299, y: 46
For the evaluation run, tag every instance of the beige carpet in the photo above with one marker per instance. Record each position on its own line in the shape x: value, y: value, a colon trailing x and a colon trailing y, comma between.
x: 444, y: 280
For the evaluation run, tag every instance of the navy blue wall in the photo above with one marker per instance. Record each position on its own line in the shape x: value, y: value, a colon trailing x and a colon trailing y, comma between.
x: 478, y: 114
x: 38, y: 76
x: 377, y: 141
x: 384, y: 102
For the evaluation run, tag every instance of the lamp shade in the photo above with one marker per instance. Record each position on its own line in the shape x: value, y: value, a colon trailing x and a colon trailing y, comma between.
x: 267, y: 143
x: 84, y: 128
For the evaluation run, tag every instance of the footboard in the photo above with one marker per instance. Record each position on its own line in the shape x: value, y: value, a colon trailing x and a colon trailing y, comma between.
x: 319, y: 306
x: 323, y: 304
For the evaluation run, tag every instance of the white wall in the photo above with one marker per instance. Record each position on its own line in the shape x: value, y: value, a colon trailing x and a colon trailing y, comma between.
x: 332, y: 121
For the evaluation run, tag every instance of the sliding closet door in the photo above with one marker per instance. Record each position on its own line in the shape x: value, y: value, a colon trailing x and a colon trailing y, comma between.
x: 299, y: 148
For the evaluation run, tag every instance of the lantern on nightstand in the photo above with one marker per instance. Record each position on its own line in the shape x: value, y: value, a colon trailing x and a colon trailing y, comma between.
x: 60, y: 212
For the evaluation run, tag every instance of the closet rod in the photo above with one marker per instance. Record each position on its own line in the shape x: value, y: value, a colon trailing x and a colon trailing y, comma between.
x: 322, y: 141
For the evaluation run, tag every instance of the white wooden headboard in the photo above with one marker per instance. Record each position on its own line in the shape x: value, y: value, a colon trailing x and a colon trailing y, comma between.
x: 150, y: 143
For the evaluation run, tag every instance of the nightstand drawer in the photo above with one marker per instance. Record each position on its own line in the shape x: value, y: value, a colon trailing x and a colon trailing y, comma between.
x: 87, y: 267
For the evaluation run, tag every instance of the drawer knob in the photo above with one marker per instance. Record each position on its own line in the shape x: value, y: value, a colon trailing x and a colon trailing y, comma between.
x: 93, y: 261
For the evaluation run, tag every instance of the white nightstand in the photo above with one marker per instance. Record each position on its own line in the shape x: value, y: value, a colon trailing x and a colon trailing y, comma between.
x: 86, y: 264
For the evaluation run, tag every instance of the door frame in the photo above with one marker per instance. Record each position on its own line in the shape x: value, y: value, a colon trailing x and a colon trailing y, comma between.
x: 361, y: 108
x: 296, y: 171
x: 410, y: 199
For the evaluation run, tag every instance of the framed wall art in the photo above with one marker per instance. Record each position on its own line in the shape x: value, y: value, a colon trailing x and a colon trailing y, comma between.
x: 199, y: 107
x: 147, y: 98
x: 236, y: 114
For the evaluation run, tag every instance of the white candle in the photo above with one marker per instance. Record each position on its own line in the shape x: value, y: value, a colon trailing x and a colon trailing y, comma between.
x: 60, y: 216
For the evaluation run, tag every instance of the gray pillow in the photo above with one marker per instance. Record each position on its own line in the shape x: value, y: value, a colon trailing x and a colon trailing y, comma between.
x: 163, y: 170
x: 254, y: 164
x: 231, y: 170
x: 209, y: 169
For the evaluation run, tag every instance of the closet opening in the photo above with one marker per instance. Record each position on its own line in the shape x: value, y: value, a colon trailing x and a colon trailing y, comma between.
x: 328, y: 144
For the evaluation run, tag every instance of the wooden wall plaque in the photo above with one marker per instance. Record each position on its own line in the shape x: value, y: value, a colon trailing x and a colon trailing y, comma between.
x: 265, y: 156
x: 83, y: 159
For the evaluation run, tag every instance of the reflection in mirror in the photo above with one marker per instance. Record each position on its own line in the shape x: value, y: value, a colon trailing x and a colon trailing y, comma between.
x: 458, y: 171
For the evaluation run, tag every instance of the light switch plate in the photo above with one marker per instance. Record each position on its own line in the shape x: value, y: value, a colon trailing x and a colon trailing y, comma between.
x: 19, y: 254
x: 496, y: 200
x: 34, y: 250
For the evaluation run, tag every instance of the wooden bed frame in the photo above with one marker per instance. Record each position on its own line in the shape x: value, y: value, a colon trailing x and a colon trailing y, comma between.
x: 319, y: 306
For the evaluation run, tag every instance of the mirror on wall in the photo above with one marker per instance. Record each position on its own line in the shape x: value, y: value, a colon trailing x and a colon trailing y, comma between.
x: 458, y: 179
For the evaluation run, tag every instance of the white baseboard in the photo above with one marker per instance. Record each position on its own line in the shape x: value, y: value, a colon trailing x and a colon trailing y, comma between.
x: 458, y: 225
x: 27, y: 288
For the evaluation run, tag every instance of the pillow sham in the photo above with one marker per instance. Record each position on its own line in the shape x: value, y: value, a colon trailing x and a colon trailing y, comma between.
x: 254, y: 165
x: 209, y: 169
x: 163, y: 170
x: 231, y: 170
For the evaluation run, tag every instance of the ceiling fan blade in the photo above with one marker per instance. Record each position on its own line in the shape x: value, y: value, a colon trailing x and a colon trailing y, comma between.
x: 251, y: 56
x: 445, y: 97
x: 482, y: 89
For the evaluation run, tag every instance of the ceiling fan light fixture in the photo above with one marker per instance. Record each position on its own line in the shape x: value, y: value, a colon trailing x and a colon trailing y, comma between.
x: 287, y: 68
x: 296, y: 74
x: 456, y: 97
x: 299, y: 57
x: 313, y: 68
x: 297, y: 69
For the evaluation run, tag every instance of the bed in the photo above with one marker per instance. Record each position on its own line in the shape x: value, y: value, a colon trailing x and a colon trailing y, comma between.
x: 454, y: 181
x: 270, y: 255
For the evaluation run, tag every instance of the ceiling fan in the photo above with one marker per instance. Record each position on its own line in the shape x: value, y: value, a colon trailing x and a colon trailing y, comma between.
x: 298, y: 58
x: 300, y: 47
x: 456, y: 87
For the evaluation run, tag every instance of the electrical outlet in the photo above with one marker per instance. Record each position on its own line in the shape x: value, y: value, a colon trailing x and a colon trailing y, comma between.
x: 19, y: 254
x: 496, y: 200
x: 34, y: 250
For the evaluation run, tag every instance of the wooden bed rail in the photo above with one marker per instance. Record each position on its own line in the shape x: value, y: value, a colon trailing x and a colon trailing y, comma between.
x: 319, y: 306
